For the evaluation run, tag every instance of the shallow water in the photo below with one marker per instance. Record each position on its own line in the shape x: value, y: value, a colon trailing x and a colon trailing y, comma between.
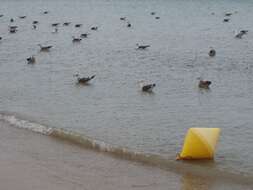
x: 113, y: 109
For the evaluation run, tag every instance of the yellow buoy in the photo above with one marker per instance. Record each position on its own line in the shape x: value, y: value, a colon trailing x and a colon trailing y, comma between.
x: 199, y: 143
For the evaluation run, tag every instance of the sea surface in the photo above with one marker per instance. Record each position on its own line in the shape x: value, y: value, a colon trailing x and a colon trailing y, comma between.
x: 112, y: 109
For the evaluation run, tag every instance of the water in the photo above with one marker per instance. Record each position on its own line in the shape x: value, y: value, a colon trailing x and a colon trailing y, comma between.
x: 113, y: 109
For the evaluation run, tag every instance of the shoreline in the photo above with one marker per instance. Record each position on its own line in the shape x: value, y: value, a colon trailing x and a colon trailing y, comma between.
x: 33, y: 161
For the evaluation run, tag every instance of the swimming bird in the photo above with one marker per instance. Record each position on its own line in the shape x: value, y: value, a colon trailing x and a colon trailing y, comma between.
x: 152, y: 13
x: 241, y: 33
x: 84, y: 35
x: 94, y: 28
x: 122, y: 18
x: 31, y: 60
x: 78, y: 25
x: 44, y: 48
x: 226, y: 20
x: 22, y: 17
x: 212, y: 53
x: 84, y: 80
x: 35, y: 22
x: 34, y: 26
x: 146, y: 87
x: 45, y: 12
x: 1, y: 15
x: 142, y: 46
x: 204, y: 84
x: 11, y: 20
x: 13, y: 29
x: 55, y: 31
x: 129, y: 24
x: 157, y: 17
x: 55, y: 24
x: 74, y: 39
x: 228, y: 14
x: 66, y: 23
x: 1, y: 38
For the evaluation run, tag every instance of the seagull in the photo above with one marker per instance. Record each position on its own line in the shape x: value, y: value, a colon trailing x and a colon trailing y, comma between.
x: 94, y: 28
x: 212, y: 53
x: 45, y: 48
x: 146, y: 87
x: 84, y: 80
x: 66, y: 23
x: 204, y: 84
x: 74, y: 39
x: 142, y: 46
x: 31, y: 60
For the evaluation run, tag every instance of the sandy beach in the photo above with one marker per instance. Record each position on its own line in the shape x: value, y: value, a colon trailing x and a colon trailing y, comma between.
x: 32, y: 161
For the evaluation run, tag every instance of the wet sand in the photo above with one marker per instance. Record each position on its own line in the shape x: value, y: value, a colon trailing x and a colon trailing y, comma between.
x: 32, y: 161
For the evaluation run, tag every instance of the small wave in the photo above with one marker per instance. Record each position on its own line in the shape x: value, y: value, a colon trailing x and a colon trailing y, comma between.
x: 121, y: 152
x: 24, y: 124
